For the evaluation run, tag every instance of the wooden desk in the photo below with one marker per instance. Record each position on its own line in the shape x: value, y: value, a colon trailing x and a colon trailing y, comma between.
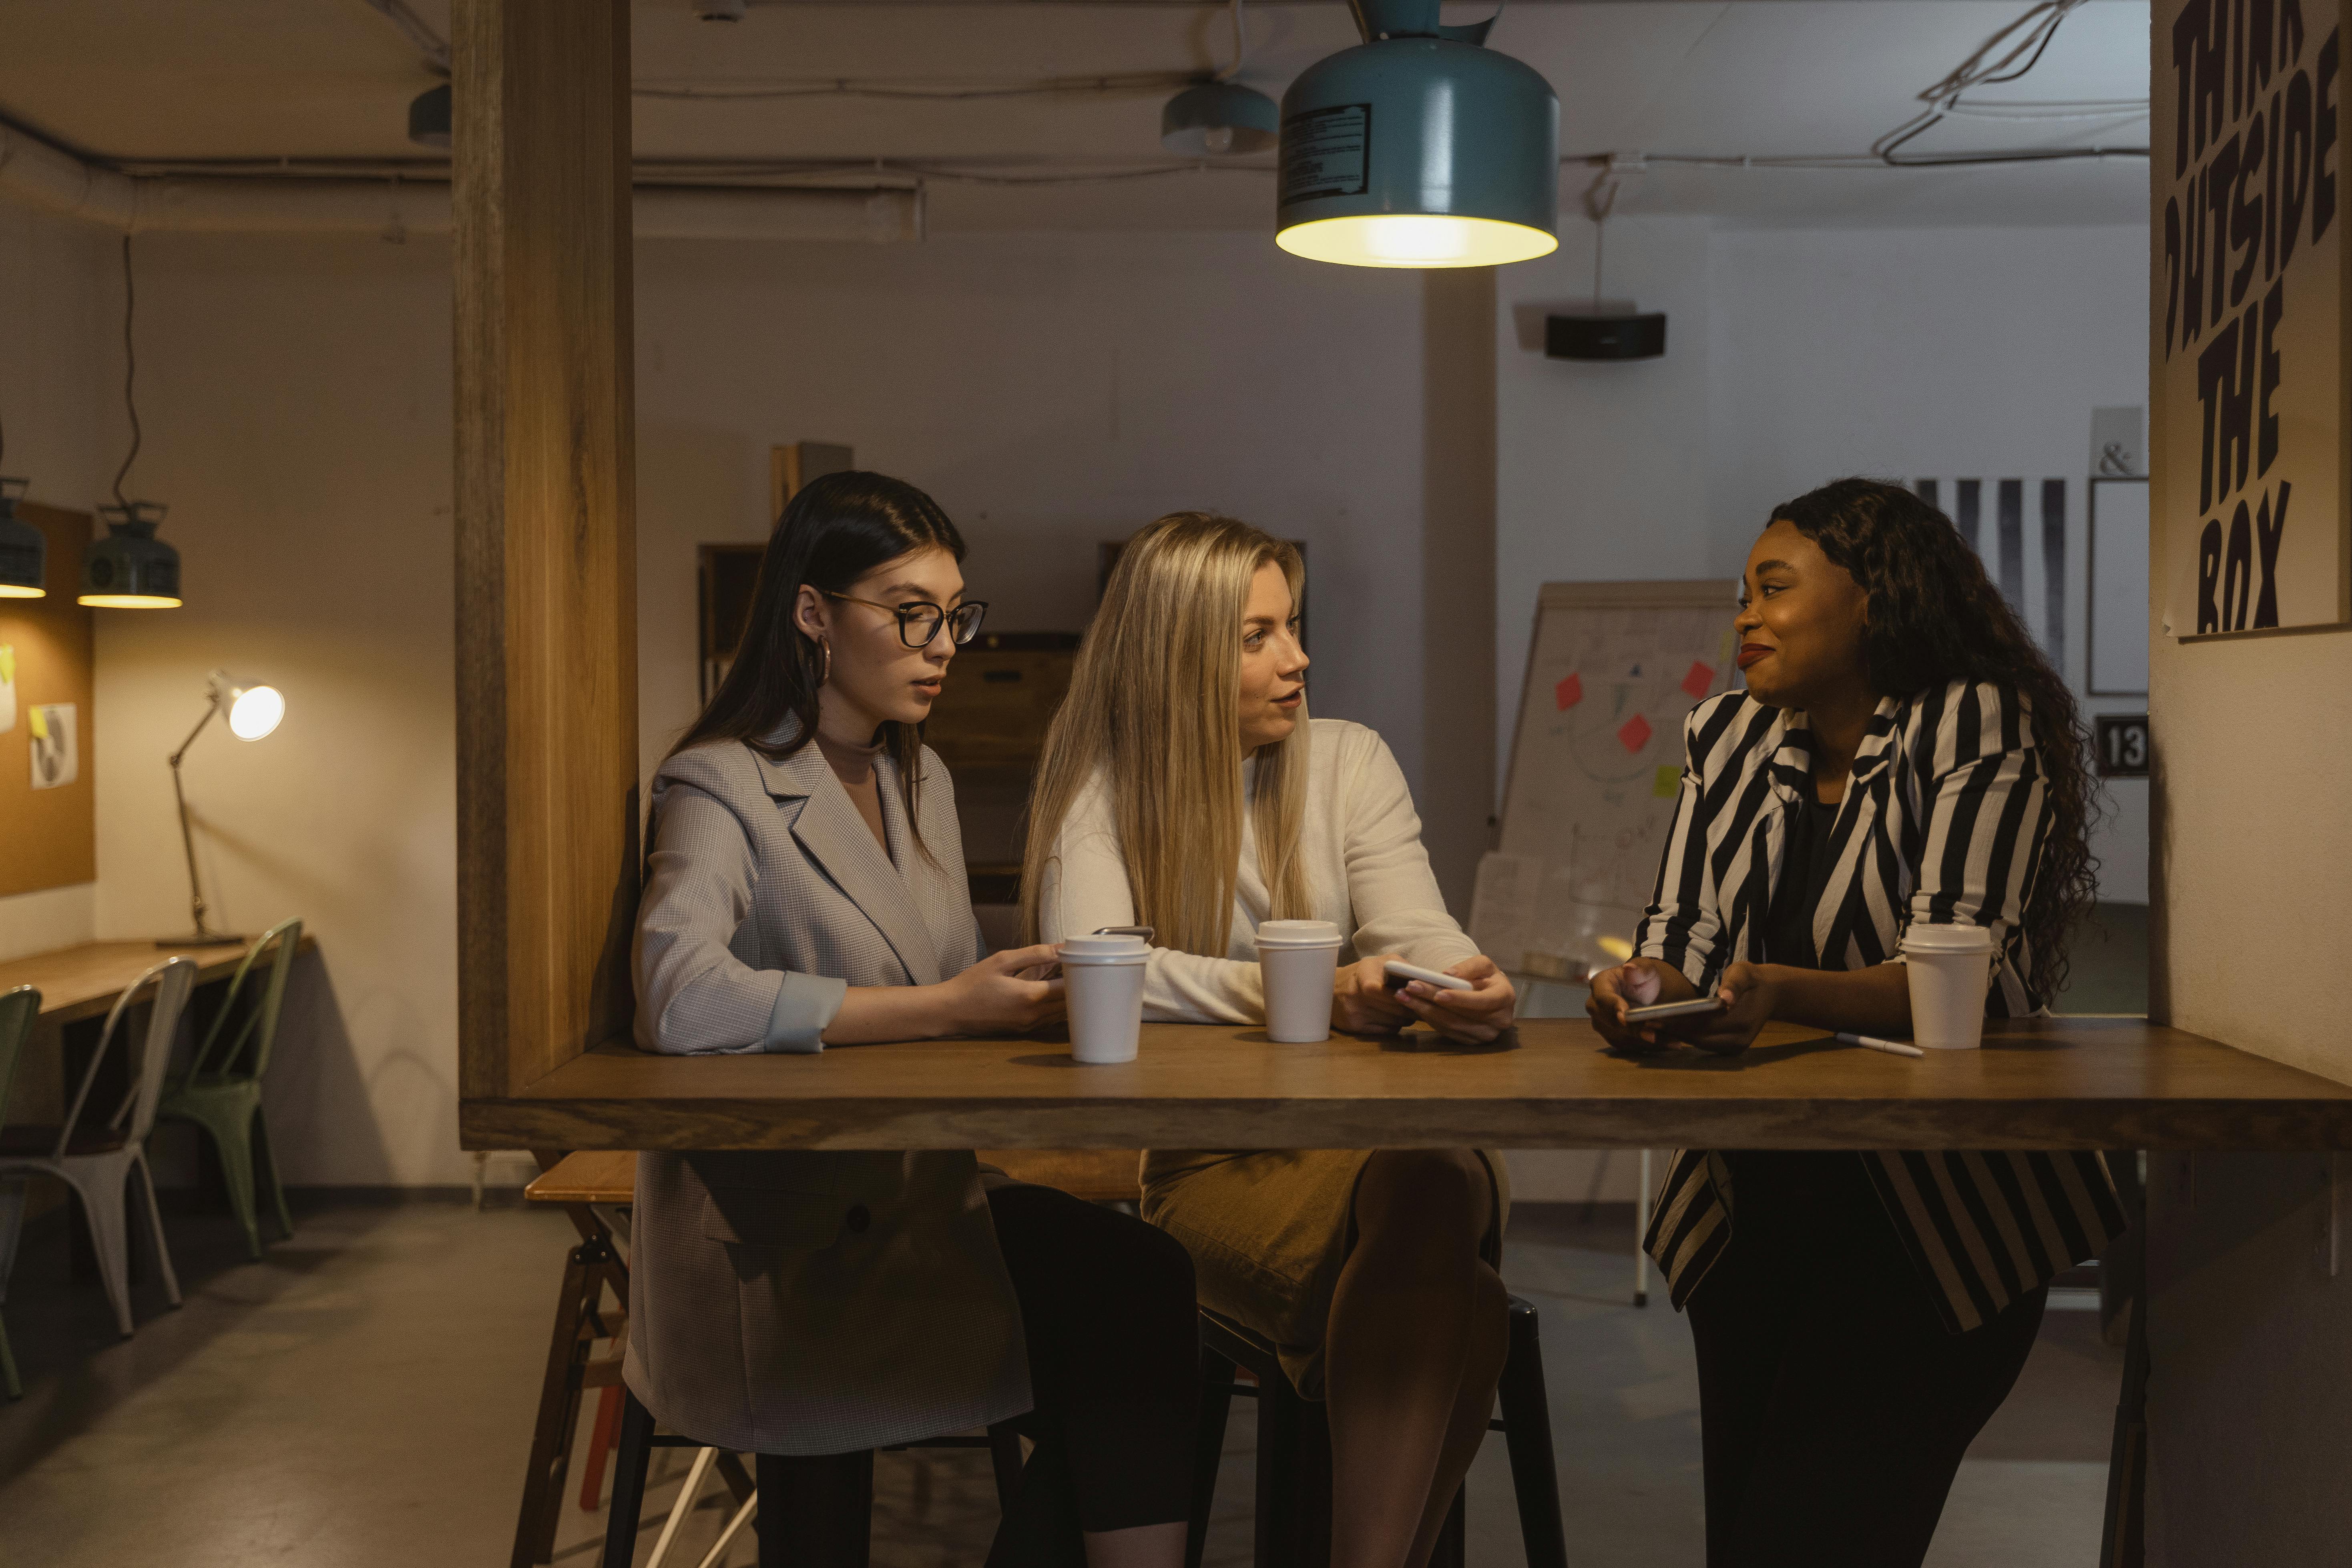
x: 2054, y: 1083
x: 83, y: 981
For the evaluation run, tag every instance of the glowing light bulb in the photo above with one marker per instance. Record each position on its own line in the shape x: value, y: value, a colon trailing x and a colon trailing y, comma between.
x: 255, y: 712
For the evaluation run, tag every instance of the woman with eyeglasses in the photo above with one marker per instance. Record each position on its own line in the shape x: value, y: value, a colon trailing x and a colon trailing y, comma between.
x: 806, y: 891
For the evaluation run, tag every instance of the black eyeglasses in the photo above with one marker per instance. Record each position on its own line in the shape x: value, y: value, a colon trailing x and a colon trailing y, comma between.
x: 919, y: 623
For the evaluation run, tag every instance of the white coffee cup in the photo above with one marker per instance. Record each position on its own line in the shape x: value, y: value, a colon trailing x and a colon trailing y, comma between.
x: 1104, y: 975
x: 1298, y: 961
x: 1950, y: 967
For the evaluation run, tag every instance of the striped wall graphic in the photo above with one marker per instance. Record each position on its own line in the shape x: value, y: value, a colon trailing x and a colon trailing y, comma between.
x: 2005, y: 553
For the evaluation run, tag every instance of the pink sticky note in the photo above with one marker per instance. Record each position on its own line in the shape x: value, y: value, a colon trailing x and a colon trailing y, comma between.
x: 1569, y: 692
x: 1634, y: 734
x: 1700, y: 680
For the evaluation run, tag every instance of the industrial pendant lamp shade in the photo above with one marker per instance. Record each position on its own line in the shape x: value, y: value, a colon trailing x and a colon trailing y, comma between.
x: 24, y: 549
x: 1216, y: 119
x: 1418, y: 148
x: 429, y: 117
x: 130, y: 569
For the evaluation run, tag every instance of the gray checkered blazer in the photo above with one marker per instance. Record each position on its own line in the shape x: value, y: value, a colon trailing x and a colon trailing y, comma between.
x: 805, y: 1302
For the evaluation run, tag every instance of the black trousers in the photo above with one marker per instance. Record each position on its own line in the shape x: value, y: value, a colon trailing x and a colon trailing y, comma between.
x: 1834, y: 1407
x: 1114, y: 1342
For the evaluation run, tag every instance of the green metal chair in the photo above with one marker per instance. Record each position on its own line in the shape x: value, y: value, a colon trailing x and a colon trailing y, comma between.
x: 19, y: 1009
x: 220, y: 1090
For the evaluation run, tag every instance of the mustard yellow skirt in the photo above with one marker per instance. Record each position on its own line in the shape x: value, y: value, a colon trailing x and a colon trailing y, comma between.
x: 1269, y: 1232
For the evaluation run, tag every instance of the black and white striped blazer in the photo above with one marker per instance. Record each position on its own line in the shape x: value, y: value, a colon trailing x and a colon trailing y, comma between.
x: 1944, y: 822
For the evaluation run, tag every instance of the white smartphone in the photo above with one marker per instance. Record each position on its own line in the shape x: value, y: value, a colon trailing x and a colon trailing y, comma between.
x: 1400, y: 974
x: 1675, y: 1009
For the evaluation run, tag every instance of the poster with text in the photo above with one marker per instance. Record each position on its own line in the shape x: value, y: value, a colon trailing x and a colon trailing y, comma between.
x: 2247, y: 338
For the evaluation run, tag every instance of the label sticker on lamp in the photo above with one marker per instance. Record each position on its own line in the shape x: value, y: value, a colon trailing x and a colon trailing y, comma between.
x: 57, y: 759
x: 8, y: 686
x: 1331, y: 152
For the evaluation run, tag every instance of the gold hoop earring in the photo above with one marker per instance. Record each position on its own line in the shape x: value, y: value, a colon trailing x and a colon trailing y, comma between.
x: 825, y: 673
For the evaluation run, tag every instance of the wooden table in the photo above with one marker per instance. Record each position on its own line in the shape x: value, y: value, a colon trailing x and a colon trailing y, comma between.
x: 81, y: 983
x: 2053, y: 1083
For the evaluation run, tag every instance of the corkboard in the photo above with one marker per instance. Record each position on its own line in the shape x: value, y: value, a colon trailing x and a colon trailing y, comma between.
x: 48, y: 837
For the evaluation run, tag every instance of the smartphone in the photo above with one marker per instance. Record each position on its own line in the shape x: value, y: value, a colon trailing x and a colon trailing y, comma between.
x: 1401, y: 974
x: 1675, y: 1009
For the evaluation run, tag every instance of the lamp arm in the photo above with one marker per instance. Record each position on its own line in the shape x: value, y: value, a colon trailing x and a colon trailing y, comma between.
x: 211, y: 708
x: 187, y: 836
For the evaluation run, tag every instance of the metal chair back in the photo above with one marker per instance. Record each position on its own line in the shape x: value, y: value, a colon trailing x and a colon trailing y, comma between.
x: 222, y: 1047
x: 174, y: 978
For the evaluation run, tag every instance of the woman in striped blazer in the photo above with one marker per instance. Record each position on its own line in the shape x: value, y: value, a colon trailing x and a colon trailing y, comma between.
x: 1903, y: 753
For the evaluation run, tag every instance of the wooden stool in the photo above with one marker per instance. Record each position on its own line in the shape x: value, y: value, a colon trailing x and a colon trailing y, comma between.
x: 582, y: 1182
x: 1293, y: 1452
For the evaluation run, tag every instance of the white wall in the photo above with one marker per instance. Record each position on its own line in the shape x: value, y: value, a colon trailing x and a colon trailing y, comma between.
x: 1797, y: 357
x: 58, y: 376
x: 1050, y: 391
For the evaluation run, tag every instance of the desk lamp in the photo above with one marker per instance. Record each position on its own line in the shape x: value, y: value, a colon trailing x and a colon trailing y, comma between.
x: 253, y: 711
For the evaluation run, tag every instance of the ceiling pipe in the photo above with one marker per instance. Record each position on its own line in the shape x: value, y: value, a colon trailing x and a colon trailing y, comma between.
x: 44, y: 177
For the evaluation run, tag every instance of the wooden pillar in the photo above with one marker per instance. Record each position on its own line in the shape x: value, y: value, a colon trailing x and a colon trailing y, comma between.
x: 546, y: 498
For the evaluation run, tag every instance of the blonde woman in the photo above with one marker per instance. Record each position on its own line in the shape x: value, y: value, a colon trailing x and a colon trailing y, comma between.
x: 1184, y: 788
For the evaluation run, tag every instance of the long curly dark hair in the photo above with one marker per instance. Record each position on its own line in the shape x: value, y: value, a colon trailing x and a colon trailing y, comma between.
x: 1934, y: 618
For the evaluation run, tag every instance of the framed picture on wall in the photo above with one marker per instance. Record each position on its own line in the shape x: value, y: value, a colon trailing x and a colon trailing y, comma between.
x: 2117, y: 616
x: 2246, y: 351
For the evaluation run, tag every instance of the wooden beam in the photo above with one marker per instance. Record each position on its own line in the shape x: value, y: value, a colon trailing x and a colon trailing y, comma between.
x: 546, y: 495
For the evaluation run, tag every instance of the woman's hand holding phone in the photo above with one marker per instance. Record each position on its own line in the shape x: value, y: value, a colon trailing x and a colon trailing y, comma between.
x: 1471, y: 1016
x: 1747, y: 997
x: 1361, y: 1001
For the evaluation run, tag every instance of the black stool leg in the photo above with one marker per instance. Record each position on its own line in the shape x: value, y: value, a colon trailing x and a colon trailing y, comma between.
x: 632, y: 1456
x: 1216, y: 1404
x: 816, y: 1511
x: 1294, y: 1479
x: 1005, y: 1459
x: 1527, y: 1435
x: 1452, y: 1548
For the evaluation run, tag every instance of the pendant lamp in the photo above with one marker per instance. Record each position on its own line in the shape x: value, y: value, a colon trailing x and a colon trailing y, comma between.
x: 1420, y: 147
x: 130, y: 569
x: 24, y: 549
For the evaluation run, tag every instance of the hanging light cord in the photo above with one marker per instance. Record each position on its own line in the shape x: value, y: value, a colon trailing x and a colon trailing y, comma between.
x: 1240, y: 47
x: 129, y: 374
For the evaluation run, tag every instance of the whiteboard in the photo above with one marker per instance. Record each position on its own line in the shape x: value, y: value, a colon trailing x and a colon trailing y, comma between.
x: 1613, y: 669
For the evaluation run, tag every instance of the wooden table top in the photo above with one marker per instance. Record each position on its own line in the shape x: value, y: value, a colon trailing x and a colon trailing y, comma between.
x: 79, y: 982
x: 2051, y: 1083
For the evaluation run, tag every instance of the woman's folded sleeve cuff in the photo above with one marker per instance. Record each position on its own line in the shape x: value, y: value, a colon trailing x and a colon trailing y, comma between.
x: 805, y: 1005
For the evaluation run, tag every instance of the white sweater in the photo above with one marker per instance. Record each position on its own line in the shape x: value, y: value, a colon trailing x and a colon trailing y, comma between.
x: 1366, y: 872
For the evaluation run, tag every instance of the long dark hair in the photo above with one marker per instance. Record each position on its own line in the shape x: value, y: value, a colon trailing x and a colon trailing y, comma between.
x: 1936, y: 618
x: 834, y: 530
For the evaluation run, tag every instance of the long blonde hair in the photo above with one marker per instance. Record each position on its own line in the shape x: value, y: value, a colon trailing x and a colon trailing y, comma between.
x: 1154, y: 711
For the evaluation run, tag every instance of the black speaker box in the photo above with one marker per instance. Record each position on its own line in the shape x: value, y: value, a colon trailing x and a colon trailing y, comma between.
x: 1605, y: 337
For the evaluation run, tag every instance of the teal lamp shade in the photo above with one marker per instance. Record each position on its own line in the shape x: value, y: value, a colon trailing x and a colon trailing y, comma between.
x: 1418, y: 148
x: 130, y: 569
x: 24, y: 549
x: 1217, y: 118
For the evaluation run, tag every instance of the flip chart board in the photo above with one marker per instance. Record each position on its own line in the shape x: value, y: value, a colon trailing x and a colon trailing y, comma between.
x: 1596, y: 762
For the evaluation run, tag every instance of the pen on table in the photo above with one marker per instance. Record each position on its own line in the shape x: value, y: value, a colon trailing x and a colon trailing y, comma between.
x: 1892, y: 1048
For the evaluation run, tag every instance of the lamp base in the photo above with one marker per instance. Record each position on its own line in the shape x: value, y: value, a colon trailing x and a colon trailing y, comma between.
x: 202, y: 939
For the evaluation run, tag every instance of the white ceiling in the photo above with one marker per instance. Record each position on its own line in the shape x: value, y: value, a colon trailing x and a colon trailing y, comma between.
x: 168, y: 80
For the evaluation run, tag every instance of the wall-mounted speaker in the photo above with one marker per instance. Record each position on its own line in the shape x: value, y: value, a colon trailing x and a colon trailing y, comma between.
x: 1605, y: 337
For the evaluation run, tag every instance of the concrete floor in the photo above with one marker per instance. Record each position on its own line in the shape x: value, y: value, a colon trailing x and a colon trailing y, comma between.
x: 365, y: 1397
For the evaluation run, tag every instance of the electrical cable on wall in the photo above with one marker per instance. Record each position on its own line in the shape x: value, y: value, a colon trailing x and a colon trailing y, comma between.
x: 2005, y: 57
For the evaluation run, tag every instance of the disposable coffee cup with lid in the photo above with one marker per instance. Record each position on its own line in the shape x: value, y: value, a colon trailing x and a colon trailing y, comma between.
x: 1950, y: 968
x: 1299, y: 962
x: 1104, y: 975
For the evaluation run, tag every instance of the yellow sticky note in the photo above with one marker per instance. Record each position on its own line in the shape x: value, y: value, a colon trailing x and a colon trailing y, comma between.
x: 41, y: 724
x: 1668, y: 782
x: 7, y: 664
